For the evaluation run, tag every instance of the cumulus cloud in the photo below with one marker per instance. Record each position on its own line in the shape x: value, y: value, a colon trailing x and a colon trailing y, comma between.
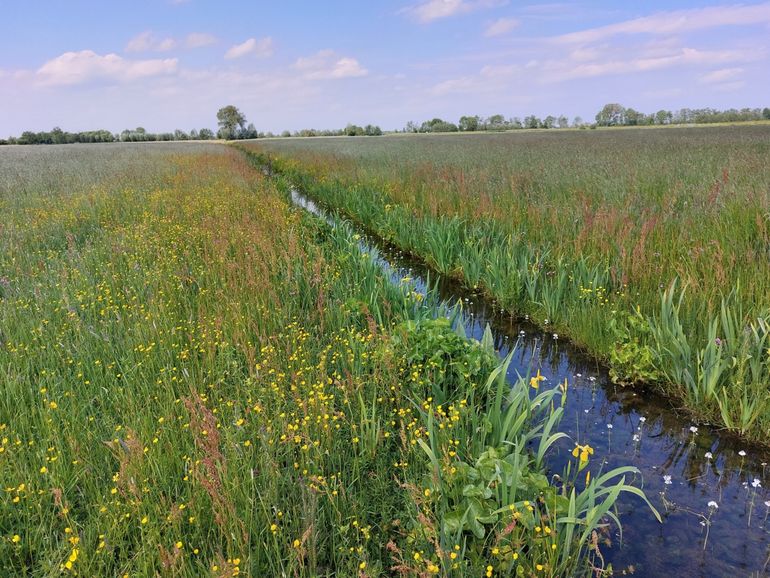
x: 327, y: 65
x: 431, y: 10
x: 148, y: 42
x: 199, y: 39
x: 261, y: 48
x: 678, y: 21
x: 73, y: 68
x: 501, y: 26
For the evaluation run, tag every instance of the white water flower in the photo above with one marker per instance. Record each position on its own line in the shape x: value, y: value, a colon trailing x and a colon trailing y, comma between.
x: 667, y: 480
x: 767, y: 503
x: 609, y: 426
x: 708, y: 455
x: 637, y: 437
x: 756, y: 483
x: 642, y: 419
x: 713, y: 504
x: 693, y: 429
x: 556, y: 336
x: 742, y: 453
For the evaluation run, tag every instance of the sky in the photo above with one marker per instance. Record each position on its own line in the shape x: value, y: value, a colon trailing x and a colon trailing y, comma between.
x: 290, y: 64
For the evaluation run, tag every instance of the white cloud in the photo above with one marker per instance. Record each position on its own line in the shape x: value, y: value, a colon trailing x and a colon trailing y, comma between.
x: 199, y: 39
x: 730, y: 86
x: 678, y: 21
x: 326, y: 65
x: 559, y: 70
x: 490, y: 79
x: 260, y: 48
x: 501, y: 26
x: 431, y: 10
x: 80, y: 67
x: 147, y: 41
x: 721, y: 75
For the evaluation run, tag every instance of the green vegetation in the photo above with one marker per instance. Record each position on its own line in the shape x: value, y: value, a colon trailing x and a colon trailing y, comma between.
x: 200, y: 380
x: 648, y: 247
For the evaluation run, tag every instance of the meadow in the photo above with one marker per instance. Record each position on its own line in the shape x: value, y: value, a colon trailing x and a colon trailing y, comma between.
x: 201, y: 380
x: 650, y: 248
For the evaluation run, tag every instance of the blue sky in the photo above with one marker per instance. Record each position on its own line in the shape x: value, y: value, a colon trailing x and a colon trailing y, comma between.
x: 166, y: 64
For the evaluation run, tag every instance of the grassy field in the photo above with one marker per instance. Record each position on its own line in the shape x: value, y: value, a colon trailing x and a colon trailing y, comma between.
x: 649, y: 247
x: 200, y: 380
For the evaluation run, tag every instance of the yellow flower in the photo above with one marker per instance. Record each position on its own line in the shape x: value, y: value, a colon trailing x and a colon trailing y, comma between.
x: 16, y: 539
x: 583, y: 452
x: 534, y: 382
x: 362, y: 565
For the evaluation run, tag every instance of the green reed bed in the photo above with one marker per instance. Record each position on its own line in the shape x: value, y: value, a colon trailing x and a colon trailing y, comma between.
x: 200, y: 380
x: 651, y: 248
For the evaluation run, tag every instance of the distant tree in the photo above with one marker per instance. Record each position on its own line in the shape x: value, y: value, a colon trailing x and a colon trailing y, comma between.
x: 181, y: 135
x: 469, y: 123
x: 353, y: 130
x: 230, y: 121
x: 496, y: 122
x: 194, y: 134
x: 515, y: 122
x: 531, y: 121
x: 372, y: 130
x: 612, y: 114
x: 249, y: 132
x: 286, y: 134
x: 206, y: 134
x: 549, y: 121
x: 766, y: 113
x: 58, y: 136
x: 562, y: 121
x: 411, y: 126
x: 438, y: 125
x: 633, y: 117
x: 444, y: 127
x: 663, y: 117
x: 577, y: 121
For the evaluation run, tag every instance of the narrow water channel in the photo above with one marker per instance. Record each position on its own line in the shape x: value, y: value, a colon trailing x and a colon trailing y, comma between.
x: 710, y: 489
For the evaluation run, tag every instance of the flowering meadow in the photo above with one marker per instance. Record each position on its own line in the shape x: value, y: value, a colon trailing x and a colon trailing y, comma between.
x: 647, y: 247
x: 200, y: 380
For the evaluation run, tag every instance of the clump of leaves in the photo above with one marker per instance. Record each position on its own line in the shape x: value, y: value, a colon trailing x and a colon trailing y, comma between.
x: 632, y: 360
x: 445, y: 362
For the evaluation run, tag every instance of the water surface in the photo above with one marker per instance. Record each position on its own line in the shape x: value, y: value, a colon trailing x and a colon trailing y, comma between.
x: 684, y: 466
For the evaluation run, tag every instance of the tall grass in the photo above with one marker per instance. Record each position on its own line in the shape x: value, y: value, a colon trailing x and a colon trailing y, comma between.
x: 200, y: 380
x: 586, y: 232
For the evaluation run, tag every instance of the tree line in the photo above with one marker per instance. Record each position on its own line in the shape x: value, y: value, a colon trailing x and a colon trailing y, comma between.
x: 231, y: 121
x: 613, y: 114
x: 232, y: 125
x: 139, y: 134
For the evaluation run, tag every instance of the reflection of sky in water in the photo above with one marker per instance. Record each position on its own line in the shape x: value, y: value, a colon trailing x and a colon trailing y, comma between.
x: 645, y: 432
